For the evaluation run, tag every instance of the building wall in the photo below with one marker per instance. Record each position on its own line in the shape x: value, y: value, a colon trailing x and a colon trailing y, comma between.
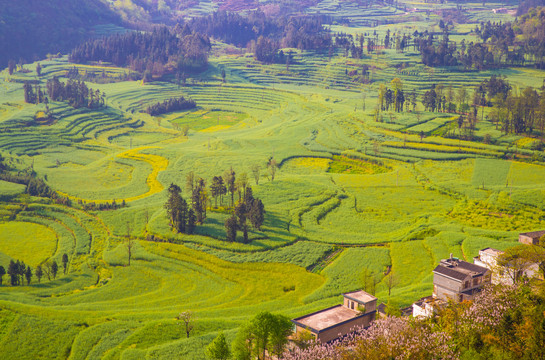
x: 338, y: 331
x: 527, y: 240
x: 446, y: 294
x: 370, y: 306
x: 447, y: 283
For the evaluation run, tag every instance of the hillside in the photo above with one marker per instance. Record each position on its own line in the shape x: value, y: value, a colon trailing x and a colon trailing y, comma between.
x: 307, y: 157
x: 31, y: 29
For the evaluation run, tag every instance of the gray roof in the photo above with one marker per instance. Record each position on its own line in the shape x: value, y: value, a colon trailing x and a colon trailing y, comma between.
x: 459, y: 270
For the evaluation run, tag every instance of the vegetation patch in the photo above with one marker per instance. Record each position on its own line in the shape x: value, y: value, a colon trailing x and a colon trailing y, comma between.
x: 31, y: 243
x: 346, y: 165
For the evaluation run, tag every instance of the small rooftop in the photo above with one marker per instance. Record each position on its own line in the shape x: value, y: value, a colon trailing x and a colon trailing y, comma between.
x: 328, y: 317
x: 458, y: 269
x: 360, y: 296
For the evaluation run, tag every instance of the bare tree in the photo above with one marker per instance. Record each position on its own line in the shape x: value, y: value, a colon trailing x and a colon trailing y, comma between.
x: 272, y: 165
x: 391, y: 281
x: 368, y: 281
x: 130, y: 243
x: 256, y: 172
x: 188, y: 319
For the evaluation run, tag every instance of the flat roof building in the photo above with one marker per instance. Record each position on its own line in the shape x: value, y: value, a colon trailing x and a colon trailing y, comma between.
x: 358, y: 310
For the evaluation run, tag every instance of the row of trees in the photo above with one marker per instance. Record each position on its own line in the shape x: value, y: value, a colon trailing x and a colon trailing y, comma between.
x: 172, y: 104
x: 159, y: 51
x: 18, y: 271
x: 76, y: 93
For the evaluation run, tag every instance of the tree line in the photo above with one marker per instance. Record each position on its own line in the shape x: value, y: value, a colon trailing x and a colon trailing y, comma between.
x: 160, y: 51
x: 172, y: 104
x: 18, y: 271
x: 503, y: 44
x: 265, y: 34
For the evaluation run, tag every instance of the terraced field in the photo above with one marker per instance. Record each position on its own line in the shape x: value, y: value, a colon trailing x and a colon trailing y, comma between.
x: 351, y: 196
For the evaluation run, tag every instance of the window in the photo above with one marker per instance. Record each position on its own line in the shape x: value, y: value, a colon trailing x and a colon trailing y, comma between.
x: 466, y: 285
x: 476, y: 281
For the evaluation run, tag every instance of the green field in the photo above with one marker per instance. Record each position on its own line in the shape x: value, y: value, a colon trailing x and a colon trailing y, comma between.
x: 351, y: 195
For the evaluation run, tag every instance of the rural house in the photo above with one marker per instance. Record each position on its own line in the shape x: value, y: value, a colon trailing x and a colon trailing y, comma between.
x: 458, y: 280
x: 531, y: 238
x: 453, y: 279
x: 358, y: 310
x: 504, y: 274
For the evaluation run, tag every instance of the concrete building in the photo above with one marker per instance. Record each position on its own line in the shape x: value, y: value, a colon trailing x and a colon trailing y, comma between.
x: 503, y: 274
x: 531, y: 238
x: 458, y: 280
x: 427, y: 306
x: 453, y: 279
x: 358, y: 310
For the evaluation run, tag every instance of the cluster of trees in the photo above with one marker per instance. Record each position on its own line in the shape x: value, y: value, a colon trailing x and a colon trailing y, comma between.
x: 395, y: 97
x: 159, y: 51
x: 264, y: 336
x: 249, y: 208
x: 182, y: 217
x: 503, y: 44
x: 76, y: 93
x: 18, y: 271
x: 503, y: 322
x: 355, y: 46
x: 266, y: 34
x: 34, y: 94
x: 173, y: 104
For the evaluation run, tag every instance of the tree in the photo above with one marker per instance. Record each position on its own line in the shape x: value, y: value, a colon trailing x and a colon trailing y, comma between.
x: 230, y: 182
x: 368, y: 280
x: 199, y: 200
x: 64, y: 262
x: 256, y: 172
x: 28, y: 275
x: 216, y: 188
x: 2, y: 273
x: 265, y: 333
x: 272, y: 165
x: 13, y: 273
x: 190, y: 182
x: 218, y: 348
x: 130, y: 243
x: 54, y: 269
x: 391, y: 282
x: 38, y: 69
x: 244, y: 342
x: 231, y: 228
x: 11, y: 66
x: 187, y: 318
x: 39, y: 273
x: 256, y: 213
